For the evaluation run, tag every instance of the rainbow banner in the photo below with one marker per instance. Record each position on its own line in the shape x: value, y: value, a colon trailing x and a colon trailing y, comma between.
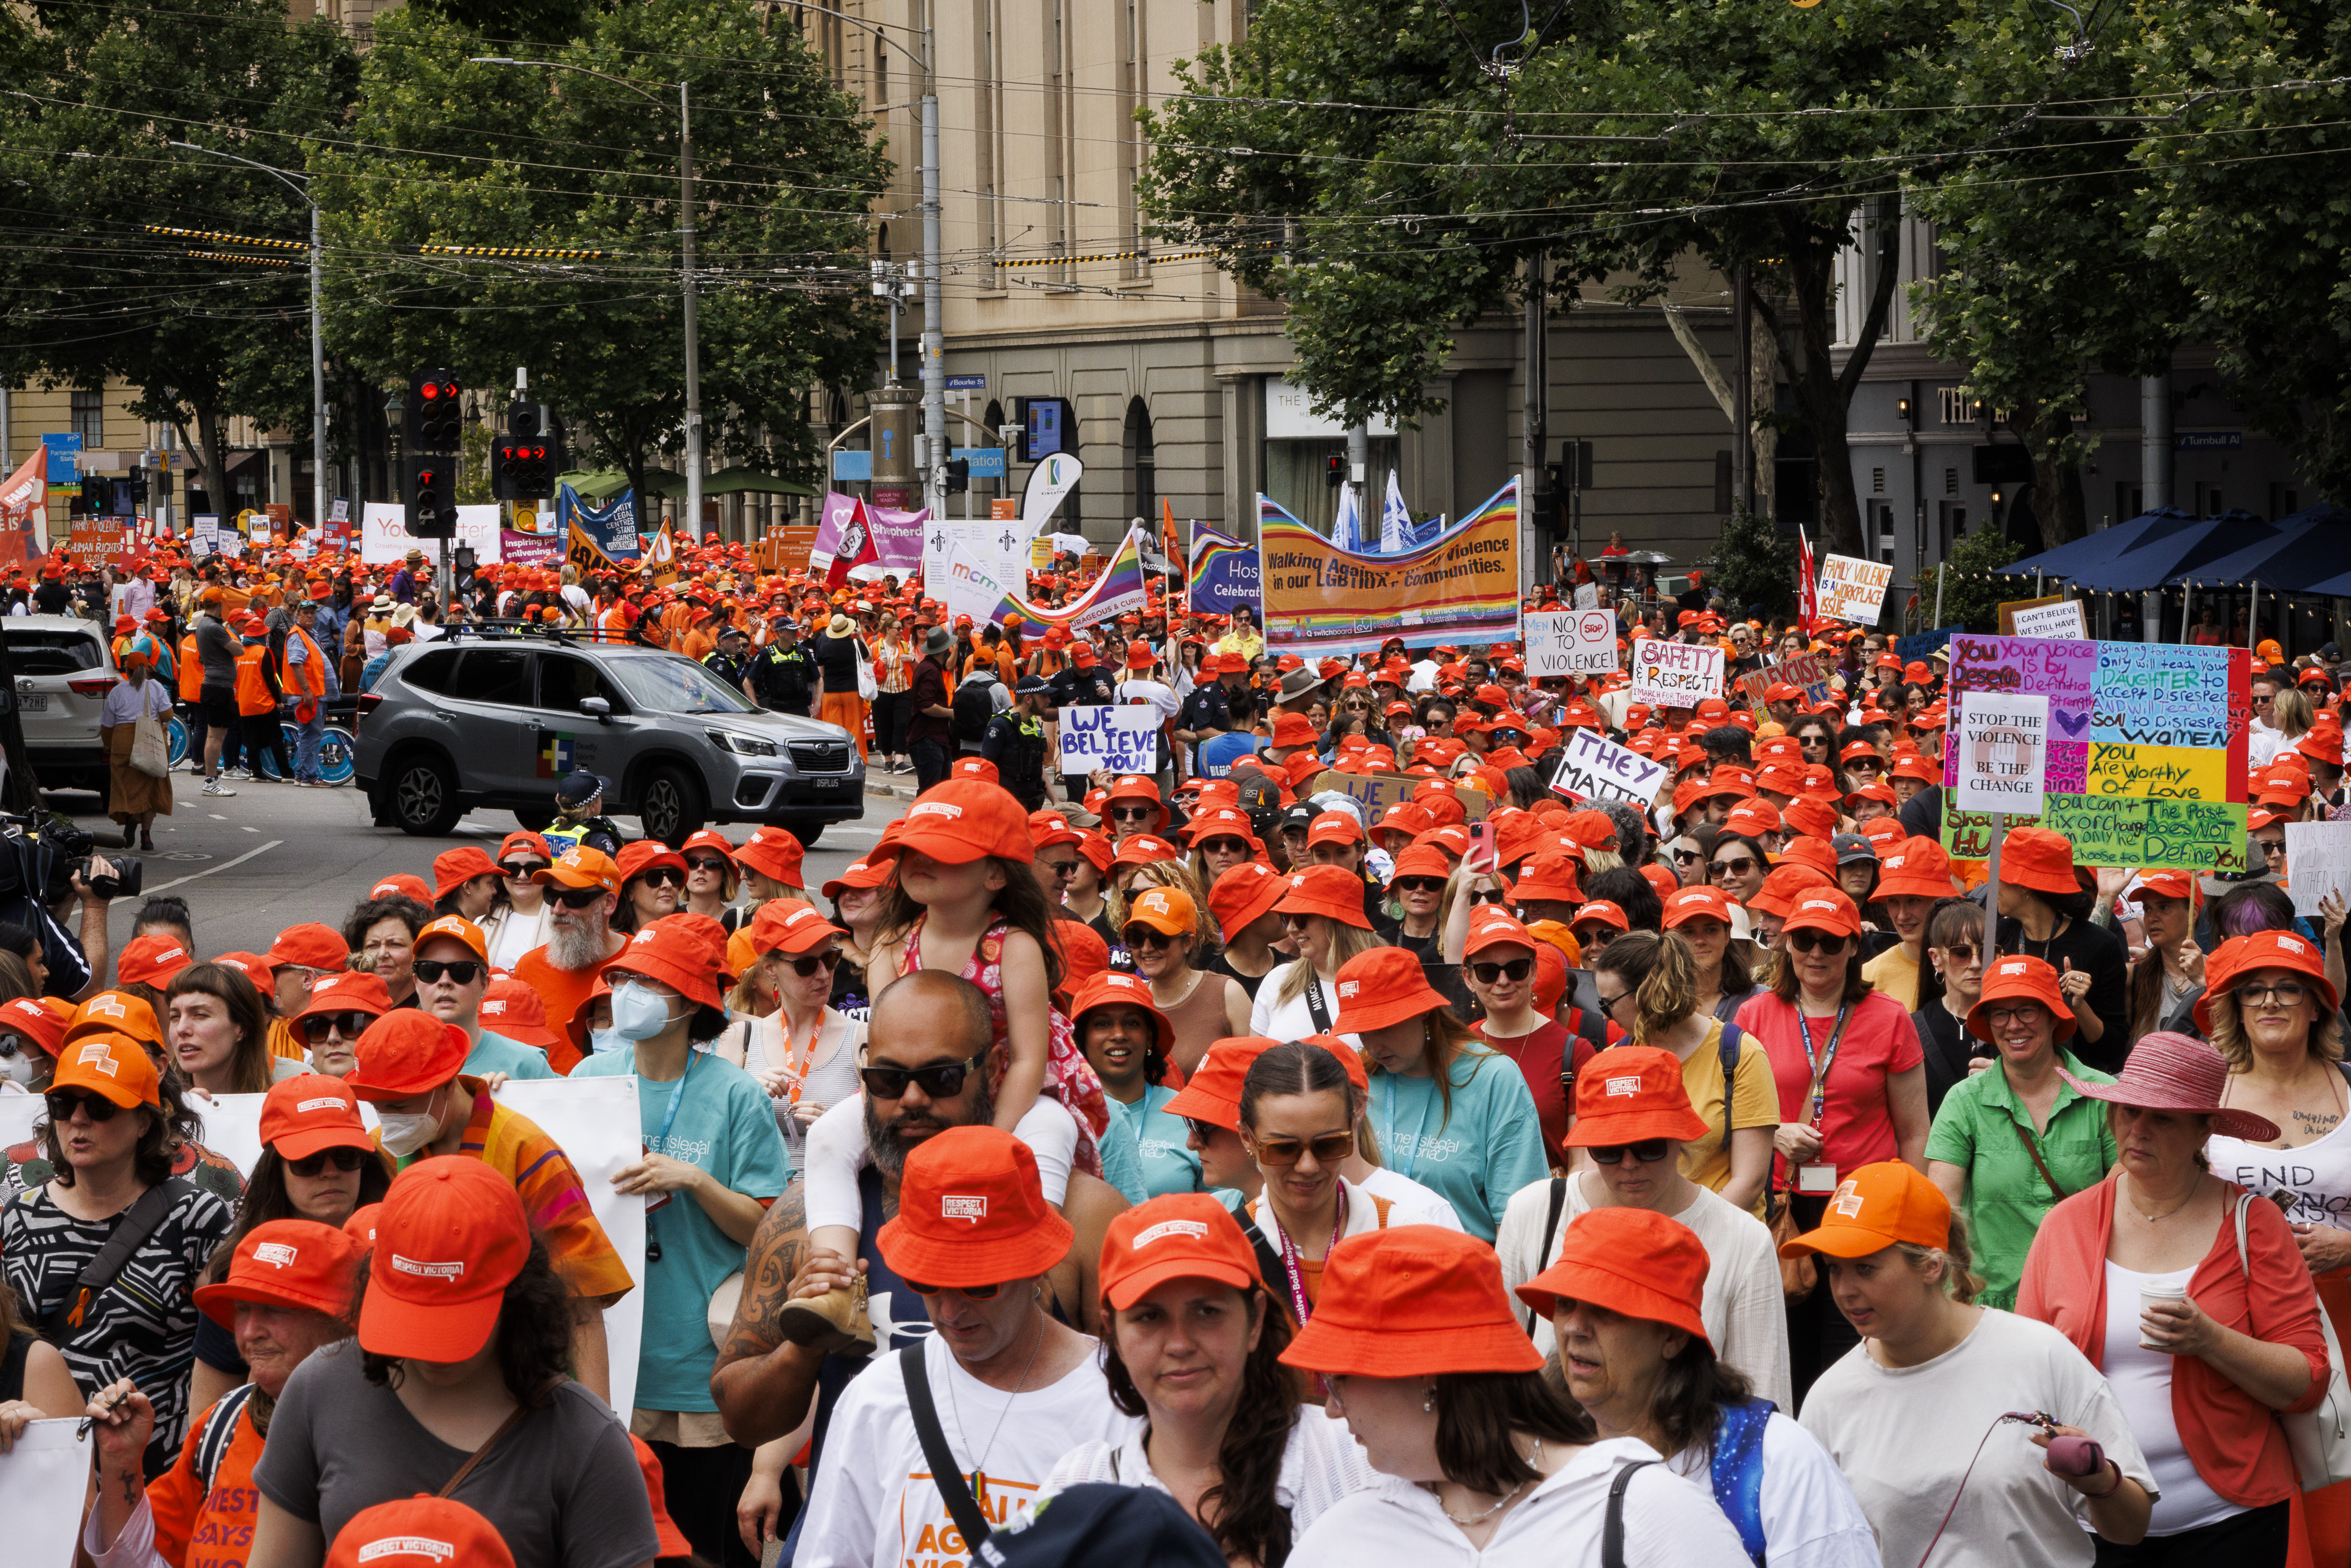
x: 1463, y: 586
x: 1224, y: 572
x: 971, y: 589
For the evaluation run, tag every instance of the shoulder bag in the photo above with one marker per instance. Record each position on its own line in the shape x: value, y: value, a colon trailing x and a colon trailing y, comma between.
x: 2032, y: 1148
x: 137, y: 1224
x: 868, y: 688
x: 150, y: 752
x: 1612, y: 1523
x: 2319, y: 1436
x: 954, y: 1490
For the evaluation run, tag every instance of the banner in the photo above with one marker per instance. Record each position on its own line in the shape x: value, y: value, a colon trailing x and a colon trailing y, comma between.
x: 897, y: 539
x: 2145, y: 763
x: 2057, y: 616
x: 204, y: 534
x: 1375, y: 792
x: 1123, y: 737
x: 1852, y: 590
x: 1907, y: 649
x: 599, y: 538
x: 383, y: 533
x: 1805, y: 670
x: 478, y: 527
x: 660, y: 553
x: 1224, y: 574
x: 1322, y: 599
x: 972, y: 590
x: 1049, y: 482
x: 794, y: 549
x: 1001, y: 548
x: 1570, y: 642
x: 544, y: 551
x: 1596, y: 767
x: 25, y: 511
x: 1675, y: 674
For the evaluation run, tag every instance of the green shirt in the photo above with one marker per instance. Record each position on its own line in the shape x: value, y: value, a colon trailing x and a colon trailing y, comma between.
x: 1981, y: 1129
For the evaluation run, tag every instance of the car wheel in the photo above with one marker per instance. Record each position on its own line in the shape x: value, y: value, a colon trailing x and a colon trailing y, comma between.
x: 806, y: 832
x: 534, y: 819
x: 423, y: 792
x: 670, y: 807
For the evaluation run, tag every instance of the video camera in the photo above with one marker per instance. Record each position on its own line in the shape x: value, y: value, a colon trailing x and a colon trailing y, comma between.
x: 41, y: 858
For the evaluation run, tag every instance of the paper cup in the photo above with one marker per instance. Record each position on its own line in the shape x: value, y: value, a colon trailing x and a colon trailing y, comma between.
x: 2148, y: 1295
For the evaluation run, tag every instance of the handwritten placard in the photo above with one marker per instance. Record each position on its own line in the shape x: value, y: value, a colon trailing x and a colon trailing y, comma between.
x: 1805, y: 672
x: 2161, y: 694
x: 1675, y: 674
x: 2004, y: 743
x: 2062, y: 618
x: 2317, y: 863
x: 1595, y: 767
x: 2121, y: 829
x: 1123, y: 737
x: 1375, y: 792
x: 1852, y: 589
x: 1571, y: 643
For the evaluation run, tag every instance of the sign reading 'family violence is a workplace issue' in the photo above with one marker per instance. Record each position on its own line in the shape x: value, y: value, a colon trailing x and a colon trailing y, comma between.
x: 1595, y: 767
x: 1852, y: 589
x: 1675, y: 674
x: 1570, y: 642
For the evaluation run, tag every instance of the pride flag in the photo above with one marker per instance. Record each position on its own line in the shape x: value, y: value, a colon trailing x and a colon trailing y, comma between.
x: 972, y: 591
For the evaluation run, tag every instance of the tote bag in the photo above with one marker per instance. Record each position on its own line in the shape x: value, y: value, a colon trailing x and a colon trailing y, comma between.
x: 2321, y: 1436
x: 150, y: 749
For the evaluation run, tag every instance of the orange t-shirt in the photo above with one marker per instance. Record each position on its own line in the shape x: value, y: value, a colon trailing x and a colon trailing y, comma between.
x: 565, y: 992
x: 199, y: 1530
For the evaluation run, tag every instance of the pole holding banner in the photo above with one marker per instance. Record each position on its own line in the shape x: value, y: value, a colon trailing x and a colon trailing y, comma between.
x: 1992, y: 897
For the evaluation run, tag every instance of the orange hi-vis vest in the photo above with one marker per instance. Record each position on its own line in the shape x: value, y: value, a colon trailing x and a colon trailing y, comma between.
x: 307, y: 678
x: 191, y: 670
x: 253, y: 698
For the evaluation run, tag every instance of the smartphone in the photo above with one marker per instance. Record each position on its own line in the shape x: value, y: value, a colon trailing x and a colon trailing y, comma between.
x: 1482, y: 843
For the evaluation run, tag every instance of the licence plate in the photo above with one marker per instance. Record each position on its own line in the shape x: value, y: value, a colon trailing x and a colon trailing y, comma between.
x: 33, y: 702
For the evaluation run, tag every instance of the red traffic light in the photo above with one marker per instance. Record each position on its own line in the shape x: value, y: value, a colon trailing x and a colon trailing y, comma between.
x: 428, y: 391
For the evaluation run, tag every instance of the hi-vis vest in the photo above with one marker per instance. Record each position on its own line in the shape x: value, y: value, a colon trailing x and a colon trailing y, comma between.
x: 253, y: 698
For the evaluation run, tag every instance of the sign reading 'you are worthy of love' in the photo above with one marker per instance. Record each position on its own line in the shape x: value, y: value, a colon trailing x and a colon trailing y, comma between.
x: 1675, y: 674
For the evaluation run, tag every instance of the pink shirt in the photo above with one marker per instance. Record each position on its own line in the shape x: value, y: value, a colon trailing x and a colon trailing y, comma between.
x: 1856, y: 1128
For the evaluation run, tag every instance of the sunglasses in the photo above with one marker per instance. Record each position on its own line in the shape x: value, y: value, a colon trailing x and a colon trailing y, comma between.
x: 972, y: 1292
x: 662, y: 876
x: 1961, y: 952
x: 705, y: 862
x: 465, y: 971
x: 1688, y: 857
x: 521, y: 871
x: 349, y: 1025
x: 312, y: 1166
x: 807, y: 964
x: 1062, y: 868
x: 575, y: 897
x: 1807, y: 941
x: 1817, y: 743
x: 1328, y: 1149
x: 2272, y: 846
x: 1649, y: 1151
x: 940, y: 1080
x: 1146, y: 936
x: 1133, y: 813
x: 1514, y: 969
x: 1864, y: 765
x: 1420, y: 885
x: 1204, y: 1131
x: 64, y: 1103
x: 1744, y: 865
x: 1492, y: 896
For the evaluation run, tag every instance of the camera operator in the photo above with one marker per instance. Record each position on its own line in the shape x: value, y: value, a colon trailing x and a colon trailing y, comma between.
x: 42, y: 882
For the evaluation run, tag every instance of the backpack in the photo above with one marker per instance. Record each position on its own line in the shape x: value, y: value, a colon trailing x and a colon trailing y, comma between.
x: 973, y: 708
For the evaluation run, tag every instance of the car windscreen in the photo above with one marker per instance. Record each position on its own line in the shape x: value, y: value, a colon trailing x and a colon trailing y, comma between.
x: 53, y: 652
x: 676, y: 686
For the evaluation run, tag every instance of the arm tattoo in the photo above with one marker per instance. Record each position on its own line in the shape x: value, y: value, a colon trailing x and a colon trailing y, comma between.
x: 131, y: 1488
x: 777, y: 1252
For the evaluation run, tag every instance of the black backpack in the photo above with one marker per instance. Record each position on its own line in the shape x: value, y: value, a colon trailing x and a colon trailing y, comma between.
x: 973, y: 708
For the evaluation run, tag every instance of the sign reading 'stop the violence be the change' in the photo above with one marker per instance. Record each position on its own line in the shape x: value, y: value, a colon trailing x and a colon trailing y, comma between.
x: 1675, y: 674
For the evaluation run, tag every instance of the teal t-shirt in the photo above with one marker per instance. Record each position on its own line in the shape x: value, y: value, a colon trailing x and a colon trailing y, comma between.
x: 725, y: 1125
x: 1475, y: 1158
x: 1168, y: 1165
x: 1121, y: 1160
x: 496, y: 1053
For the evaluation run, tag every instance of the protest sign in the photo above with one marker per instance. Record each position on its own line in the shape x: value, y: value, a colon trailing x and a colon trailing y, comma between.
x: 1804, y: 672
x: 1001, y: 548
x: 2055, y: 617
x: 1375, y: 792
x: 1570, y: 642
x: 1675, y: 674
x: 103, y: 541
x: 2002, y: 754
x: 43, y: 1480
x: 1319, y: 599
x: 1587, y: 596
x: 2317, y: 863
x: 1596, y: 767
x: 385, y: 538
x: 1924, y: 644
x: 1224, y: 574
x: 1123, y: 737
x: 204, y: 534
x: 1852, y: 589
x: 479, y: 527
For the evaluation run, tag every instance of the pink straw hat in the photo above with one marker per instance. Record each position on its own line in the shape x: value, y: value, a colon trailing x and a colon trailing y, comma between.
x: 2170, y: 1072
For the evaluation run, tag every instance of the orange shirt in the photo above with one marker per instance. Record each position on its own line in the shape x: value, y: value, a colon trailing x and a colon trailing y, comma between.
x: 564, y: 992
x: 196, y: 1529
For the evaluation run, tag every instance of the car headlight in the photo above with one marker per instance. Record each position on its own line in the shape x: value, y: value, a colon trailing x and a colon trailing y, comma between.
x: 741, y: 745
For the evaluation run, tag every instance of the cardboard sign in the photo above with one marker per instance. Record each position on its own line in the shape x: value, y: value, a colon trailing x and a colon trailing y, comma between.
x: 2003, y: 748
x: 2123, y: 830
x: 1805, y: 670
x: 1596, y: 767
x: 1852, y: 589
x: 1587, y: 596
x: 1570, y: 642
x: 1675, y: 674
x: 2052, y: 618
x: 1375, y: 792
x: 2317, y: 862
x: 2011, y: 607
x: 1123, y: 737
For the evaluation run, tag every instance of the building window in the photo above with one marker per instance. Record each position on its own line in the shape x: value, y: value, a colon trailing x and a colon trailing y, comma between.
x: 1134, y: 66
x: 89, y: 419
x: 1878, y: 481
x: 1951, y: 481
x: 989, y: 136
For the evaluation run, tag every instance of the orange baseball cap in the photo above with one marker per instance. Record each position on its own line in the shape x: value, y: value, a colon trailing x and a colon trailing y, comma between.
x: 1634, y: 1261
x: 150, y: 960
x: 301, y: 1115
x: 1213, y: 1091
x: 1330, y: 890
x: 1046, y: 829
x: 1876, y: 1207
x: 451, y: 1238
x: 1602, y: 912
x: 773, y: 854
x: 531, y: 841
x: 309, y: 946
x: 114, y: 1067
x: 1753, y: 818
x: 457, y: 928
x: 1493, y: 927
x: 978, y: 768
x: 675, y: 952
x: 406, y: 1052
x: 453, y: 869
x: 787, y: 926
x: 961, y: 821
x: 348, y: 990
x: 40, y: 1021
x: 1143, y: 849
x: 972, y: 1211
x: 2178, y: 884
x: 866, y: 874
x: 361, y: 1226
x: 1549, y: 874
x: 644, y: 855
x: 582, y: 867
x: 515, y: 1010
x: 1166, y: 910
x: 1245, y: 892
x: 1631, y: 1093
x: 1384, y: 985
x: 1416, y: 1301
x: 297, y: 1263
x: 1178, y: 1235
x: 421, y: 1532
x: 1335, y: 828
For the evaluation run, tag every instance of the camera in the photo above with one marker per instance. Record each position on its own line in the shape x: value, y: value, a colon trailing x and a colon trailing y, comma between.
x: 49, y: 863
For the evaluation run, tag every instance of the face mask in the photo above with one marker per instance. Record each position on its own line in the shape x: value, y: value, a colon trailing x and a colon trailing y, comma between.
x: 603, y: 1039
x: 405, y: 1133
x: 17, y: 1067
x: 638, y: 1012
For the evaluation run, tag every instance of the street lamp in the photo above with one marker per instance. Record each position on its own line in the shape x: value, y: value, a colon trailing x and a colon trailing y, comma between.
x: 685, y: 219
x: 318, y: 343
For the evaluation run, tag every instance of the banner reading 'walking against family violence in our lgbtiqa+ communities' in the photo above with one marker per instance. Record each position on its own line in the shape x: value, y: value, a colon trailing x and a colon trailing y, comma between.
x: 2146, y: 747
x: 1319, y: 599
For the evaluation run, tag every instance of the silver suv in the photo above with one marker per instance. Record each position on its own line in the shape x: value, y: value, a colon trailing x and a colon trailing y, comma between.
x: 494, y: 718
x: 64, y: 667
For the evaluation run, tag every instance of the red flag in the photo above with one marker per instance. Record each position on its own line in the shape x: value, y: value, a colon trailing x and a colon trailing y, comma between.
x: 24, y: 510
x: 1807, y: 587
x: 856, y: 547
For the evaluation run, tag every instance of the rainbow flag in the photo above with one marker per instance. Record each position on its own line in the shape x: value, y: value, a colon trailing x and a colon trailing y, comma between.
x: 1224, y: 572
x: 1118, y: 590
x: 1460, y: 587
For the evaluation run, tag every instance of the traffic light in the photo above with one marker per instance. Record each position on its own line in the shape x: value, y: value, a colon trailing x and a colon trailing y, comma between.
x: 958, y: 475
x: 1334, y: 470
x: 436, y: 416
x: 526, y: 460
x: 429, y: 495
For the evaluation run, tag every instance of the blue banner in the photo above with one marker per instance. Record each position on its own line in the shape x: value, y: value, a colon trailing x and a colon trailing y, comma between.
x: 1224, y: 574
x: 600, y: 537
x: 1908, y: 648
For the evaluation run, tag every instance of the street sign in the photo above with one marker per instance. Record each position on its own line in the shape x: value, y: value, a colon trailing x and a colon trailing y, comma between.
x: 966, y: 384
x: 987, y: 461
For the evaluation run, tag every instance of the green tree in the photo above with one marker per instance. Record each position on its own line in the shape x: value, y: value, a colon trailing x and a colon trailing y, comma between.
x: 1754, y: 566
x: 87, y: 292
x: 1970, y: 596
x: 444, y: 153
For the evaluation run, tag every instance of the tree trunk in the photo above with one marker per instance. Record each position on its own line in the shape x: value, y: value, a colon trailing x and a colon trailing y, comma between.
x: 2057, y: 501
x: 1824, y: 394
x: 208, y: 459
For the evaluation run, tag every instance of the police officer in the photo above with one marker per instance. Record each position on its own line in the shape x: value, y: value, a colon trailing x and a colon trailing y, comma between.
x: 1015, y: 742
x: 783, y: 677
x: 729, y: 662
x: 1084, y: 682
x: 578, y: 819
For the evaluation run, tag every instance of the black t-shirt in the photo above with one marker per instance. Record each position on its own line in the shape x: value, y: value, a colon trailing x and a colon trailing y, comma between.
x: 1947, y: 1047
x: 839, y: 657
x: 2093, y: 950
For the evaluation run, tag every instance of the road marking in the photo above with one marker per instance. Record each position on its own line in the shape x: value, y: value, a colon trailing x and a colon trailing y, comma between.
x: 208, y: 871
x: 248, y: 829
x: 216, y: 817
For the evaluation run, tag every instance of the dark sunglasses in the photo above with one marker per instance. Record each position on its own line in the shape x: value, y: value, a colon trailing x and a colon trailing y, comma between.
x: 1687, y: 857
x: 1864, y: 765
x: 974, y: 1292
x: 575, y: 897
x: 1649, y: 1151
x: 1744, y: 865
x: 1492, y: 896
x: 521, y: 871
x: 1420, y: 885
x: 1961, y: 952
x: 1515, y: 969
x: 1062, y: 868
x: 1146, y: 936
x: 662, y: 876
x: 1133, y: 813
x: 465, y: 971
x: 807, y: 964
x: 349, y: 1025
x: 2272, y: 846
x: 1224, y: 847
x: 1807, y: 941
x: 312, y: 1166
x: 940, y: 1080
x: 705, y: 862
x: 1204, y: 1131
x: 1328, y: 1149
x: 64, y: 1103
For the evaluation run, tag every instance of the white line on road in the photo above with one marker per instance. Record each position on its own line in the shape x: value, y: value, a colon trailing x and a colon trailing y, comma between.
x: 208, y: 871
x: 248, y: 829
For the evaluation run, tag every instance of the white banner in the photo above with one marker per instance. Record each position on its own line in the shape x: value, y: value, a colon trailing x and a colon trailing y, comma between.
x: 1596, y: 767
x: 2317, y: 862
x: 1675, y: 674
x: 1001, y: 548
x: 1121, y: 738
x: 2051, y: 621
x: 2003, y: 752
x: 1051, y: 479
x: 477, y: 527
x: 1570, y: 642
x: 383, y: 533
x: 967, y: 586
x: 1852, y: 589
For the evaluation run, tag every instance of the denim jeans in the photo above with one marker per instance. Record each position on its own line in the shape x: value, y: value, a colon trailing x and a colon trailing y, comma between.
x: 307, y: 738
x: 931, y: 763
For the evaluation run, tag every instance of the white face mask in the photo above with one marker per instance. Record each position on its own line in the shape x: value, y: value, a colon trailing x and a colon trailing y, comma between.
x: 603, y: 1039
x: 16, y: 1064
x: 405, y: 1133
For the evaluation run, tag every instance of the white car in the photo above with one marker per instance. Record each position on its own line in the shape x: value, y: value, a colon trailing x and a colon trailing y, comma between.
x: 62, y: 667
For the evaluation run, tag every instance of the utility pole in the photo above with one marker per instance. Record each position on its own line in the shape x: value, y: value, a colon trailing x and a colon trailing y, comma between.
x: 936, y: 445
x: 1533, y: 416
x: 2155, y: 441
x: 693, y: 338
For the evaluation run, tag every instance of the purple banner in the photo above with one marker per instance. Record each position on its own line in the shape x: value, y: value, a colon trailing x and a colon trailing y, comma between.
x: 530, y: 549
x: 2062, y: 669
x: 897, y: 537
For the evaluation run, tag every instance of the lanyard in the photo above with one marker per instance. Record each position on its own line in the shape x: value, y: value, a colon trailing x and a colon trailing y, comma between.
x: 795, y: 1073
x: 1820, y: 1063
x: 1290, y: 1256
x: 669, y: 1119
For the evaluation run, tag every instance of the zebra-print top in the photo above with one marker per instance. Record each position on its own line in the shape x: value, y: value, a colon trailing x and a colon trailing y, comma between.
x: 143, y: 1326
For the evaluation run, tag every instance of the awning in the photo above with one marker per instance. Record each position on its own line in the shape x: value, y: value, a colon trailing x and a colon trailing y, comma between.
x: 736, y: 481
x: 2157, y: 561
x: 2100, y: 549
x: 2307, y: 548
x: 605, y: 484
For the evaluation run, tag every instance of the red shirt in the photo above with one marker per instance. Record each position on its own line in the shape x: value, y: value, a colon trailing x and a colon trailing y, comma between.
x: 1538, y: 1056
x: 1856, y: 1128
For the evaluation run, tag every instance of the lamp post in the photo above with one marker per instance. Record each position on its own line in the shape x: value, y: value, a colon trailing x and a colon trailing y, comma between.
x: 318, y: 343
x: 685, y: 230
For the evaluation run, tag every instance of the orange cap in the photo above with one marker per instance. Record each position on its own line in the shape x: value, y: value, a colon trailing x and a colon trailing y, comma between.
x: 1634, y: 1261
x: 309, y: 946
x: 2265, y: 950
x: 1335, y: 828
x: 1689, y: 904
x: 866, y: 874
x: 1144, y: 849
x: 2039, y: 859
x: 644, y: 855
x: 361, y: 1226
x: 1244, y: 894
x: 402, y: 884
x: 1166, y: 910
x: 40, y: 1021
x: 457, y: 928
x: 301, y: 1115
x: 1876, y: 1207
x: 1602, y: 912
x: 297, y: 1263
x: 1416, y: 1301
x: 419, y: 1532
x: 150, y: 960
x: 1384, y: 985
x: 1493, y: 927
x: 787, y: 926
x: 1116, y: 987
x: 1178, y: 1236
x: 347, y: 990
x: 775, y: 854
x: 961, y: 821
x: 451, y: 1238
x: 532, y: 841
x: 1631, y: 1093
x: 453, y: 869
x: 1330, y: 890
x: 972, y: 1211
x: 582, y: 867
x: 1213, y: 1091
x: 406, y: 1052
x: 114, y: 1067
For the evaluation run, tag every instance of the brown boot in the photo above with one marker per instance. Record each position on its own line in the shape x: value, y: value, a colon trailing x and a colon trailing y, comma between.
x: 834, y: 1322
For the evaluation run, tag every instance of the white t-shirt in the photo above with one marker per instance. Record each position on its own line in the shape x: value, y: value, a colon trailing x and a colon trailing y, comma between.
x: 1905, y: 1436
x: 1321, y: 1463
x: 1811, y: 1518
x: 2141, y: 1379
x: 1292, y: 1020
x: 2262, y: 744
x: 1669, y: 1522
x: 1742, y: 1307
x: 2318, y: 1174
x: 874, y: 1505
